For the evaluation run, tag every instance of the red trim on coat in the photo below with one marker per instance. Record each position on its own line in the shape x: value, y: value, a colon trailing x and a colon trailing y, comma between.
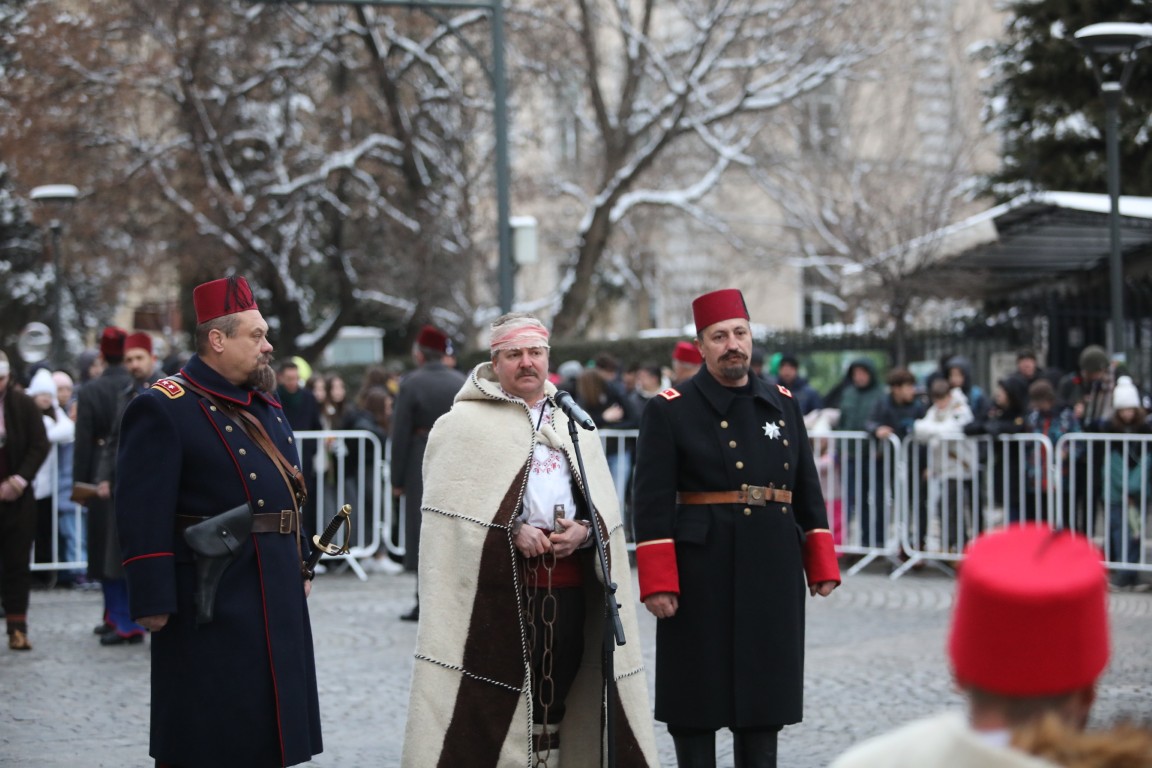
x: 656, y: 566
x: 268, y: 642
x: 820, y: 557
x: 145, y: 557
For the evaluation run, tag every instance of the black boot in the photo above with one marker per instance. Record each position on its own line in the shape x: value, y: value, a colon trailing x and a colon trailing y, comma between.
x: 755, y: 749
x: 695, y: 749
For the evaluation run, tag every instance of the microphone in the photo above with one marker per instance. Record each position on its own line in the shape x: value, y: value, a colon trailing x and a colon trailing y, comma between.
x: 573, y: 411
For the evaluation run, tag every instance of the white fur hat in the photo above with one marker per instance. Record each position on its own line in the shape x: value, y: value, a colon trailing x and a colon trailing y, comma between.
x: 1125, y: 395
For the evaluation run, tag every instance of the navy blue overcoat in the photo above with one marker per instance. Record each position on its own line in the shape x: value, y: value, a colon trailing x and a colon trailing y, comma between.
x: 241, y: 690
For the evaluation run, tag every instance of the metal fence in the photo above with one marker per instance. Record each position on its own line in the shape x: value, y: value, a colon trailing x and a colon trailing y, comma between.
x: 909, y: 502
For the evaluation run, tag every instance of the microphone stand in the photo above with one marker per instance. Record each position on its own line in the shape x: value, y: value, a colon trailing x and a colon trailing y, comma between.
x: 613, y: 629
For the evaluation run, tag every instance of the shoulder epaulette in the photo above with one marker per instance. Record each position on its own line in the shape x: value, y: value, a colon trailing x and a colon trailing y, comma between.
x: 783, y: 390
x: 670, y: 394
x: 169, y: 388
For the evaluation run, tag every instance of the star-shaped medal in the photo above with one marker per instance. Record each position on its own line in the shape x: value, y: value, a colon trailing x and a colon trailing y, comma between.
x: 771, y: 431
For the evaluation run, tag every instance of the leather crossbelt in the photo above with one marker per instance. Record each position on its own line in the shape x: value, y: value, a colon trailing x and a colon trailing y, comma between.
x: 755, y: 495
x: 283, y: 521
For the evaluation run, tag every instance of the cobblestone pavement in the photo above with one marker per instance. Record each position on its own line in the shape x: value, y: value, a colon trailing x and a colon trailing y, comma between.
x: 875, y: 659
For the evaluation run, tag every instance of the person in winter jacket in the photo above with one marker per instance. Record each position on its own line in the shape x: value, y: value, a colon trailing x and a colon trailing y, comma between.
x: 951, y: 460
x: 1006, y: 417
x: 61, y: 433
x: 1129, y: 483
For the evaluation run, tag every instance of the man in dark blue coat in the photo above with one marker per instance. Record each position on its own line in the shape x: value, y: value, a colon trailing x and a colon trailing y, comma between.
x: 239, y: 690
x: 732, y: 536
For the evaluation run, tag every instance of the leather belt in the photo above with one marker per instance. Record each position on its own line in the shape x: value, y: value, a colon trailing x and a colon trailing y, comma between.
x: 283, y: 521
x: 754, y: 495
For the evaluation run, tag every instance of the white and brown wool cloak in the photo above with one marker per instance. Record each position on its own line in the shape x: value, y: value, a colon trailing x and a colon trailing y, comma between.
x: 471, y: 694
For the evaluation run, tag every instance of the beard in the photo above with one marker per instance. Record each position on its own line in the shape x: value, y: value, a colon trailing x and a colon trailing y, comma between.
x: 263, y: 379
x: 733, y: 366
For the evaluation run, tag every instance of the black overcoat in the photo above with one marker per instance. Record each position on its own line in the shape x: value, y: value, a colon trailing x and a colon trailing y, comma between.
x: 98, y: 406
x: 425, y: 395
x: 241, y: 690
x: 733, y: 655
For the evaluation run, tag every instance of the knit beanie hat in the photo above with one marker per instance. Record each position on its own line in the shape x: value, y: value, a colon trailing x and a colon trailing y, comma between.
x: 42, y: 384
x: 1093, y: 359
x: 1125, y: 395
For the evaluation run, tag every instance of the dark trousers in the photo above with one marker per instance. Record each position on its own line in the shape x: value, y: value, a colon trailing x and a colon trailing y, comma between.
x: 557, y: 648
x: 17, y: 530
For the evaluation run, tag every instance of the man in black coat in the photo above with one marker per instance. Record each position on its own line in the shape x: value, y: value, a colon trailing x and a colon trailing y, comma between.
x: 731, y: 533
x: 425, y: 395
x: 98, y: 407
x: 238, y: 690
x: 23, y: 448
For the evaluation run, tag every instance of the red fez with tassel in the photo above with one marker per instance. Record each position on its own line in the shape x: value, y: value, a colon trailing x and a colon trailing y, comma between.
x: 226, y: 296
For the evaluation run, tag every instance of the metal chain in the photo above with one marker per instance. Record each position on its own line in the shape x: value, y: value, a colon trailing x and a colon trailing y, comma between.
x: 543, y: 685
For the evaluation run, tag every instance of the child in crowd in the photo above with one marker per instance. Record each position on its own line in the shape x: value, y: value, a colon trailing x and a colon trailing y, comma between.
x: 950, y: 460
x: 1129, y: 485
x: 1044, y: 418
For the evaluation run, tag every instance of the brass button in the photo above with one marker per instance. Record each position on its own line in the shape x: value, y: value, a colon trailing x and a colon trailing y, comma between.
x: 784, y: 510
x: 781, y: 422
x: 747, y: 511
x: 279, y: 419
x: 289, y: 438
x: 785, y: 442
x: 211, y: 407
x: 252, y: 476
x: 783, y: 487
x: 260, y: 503
x: 744, y: 486
x: 786, y: 465
x: 243, y: 451
x: 296, y: 467
x: 227, y: 427
x: 731, y: 443
x: 739, y: 465
x: 724, y: 425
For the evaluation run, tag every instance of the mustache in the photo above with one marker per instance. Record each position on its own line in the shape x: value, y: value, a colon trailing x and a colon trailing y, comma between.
x: 527, y: 374
x: 734, y: 355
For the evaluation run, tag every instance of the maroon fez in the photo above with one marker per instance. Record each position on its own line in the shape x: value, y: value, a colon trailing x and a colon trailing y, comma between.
x: 431, y: 337
x: 226, y: 296
x: 138, y: 340
x: 724, y: 304
x: 686, y: 352
x: 112, y: 341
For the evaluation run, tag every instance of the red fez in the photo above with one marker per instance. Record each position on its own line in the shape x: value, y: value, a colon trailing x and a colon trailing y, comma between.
x: 226, y: 296
x: 112, y: 341
x: 720, y: 305
x: 138, y: 340
x: 1031, y: 613
x: 687, y: 352
x: 433, y: 338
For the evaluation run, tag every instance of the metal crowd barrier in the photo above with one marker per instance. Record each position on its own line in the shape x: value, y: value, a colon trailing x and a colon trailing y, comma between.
x: 907, y: 501
x: 341, y: 467
x: 1104, y: 490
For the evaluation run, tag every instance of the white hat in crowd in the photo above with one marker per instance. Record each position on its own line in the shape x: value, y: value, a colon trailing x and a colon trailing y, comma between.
x: 1125, y: 395
x: 42, y: 384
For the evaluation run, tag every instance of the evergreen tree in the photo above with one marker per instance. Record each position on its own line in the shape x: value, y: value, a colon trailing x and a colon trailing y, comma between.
x: 1047, y: 104
x: 25, y: 276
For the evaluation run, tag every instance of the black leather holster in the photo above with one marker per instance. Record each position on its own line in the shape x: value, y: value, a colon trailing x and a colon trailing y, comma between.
x: 216, y: 542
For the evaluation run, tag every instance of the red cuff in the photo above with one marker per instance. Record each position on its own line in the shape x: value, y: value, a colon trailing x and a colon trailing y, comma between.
x: 656, y: 567
x: 820, y: 557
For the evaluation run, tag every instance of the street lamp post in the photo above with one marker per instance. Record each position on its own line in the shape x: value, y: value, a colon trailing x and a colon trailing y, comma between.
x: 56, y: 198
x: 1113, y: 46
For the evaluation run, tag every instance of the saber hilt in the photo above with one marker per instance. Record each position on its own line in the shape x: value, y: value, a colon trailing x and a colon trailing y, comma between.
x: 322, y: 544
